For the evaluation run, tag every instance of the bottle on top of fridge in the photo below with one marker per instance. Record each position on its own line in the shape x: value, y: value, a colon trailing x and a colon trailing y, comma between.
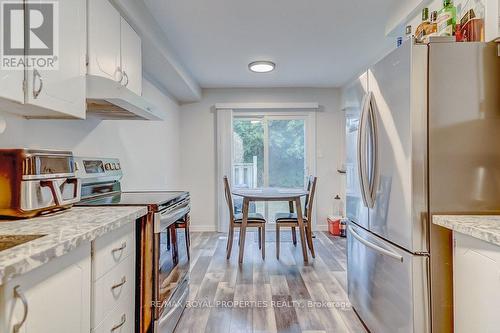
x: 428, y: 26
x: 420, y: 32
x: 447, y: 18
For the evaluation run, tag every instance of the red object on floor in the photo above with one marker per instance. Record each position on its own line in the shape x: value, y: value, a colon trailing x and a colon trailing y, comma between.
x: 334, y: 226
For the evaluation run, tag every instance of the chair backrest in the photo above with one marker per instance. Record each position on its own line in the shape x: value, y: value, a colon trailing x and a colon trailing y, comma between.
x: 309, y: 203
x: 229, y: 199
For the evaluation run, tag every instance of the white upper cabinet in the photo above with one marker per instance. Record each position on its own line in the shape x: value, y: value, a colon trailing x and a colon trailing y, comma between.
x: 114, y: 47
x: 55, y: 58
x: 131, y: 56
x: 492, y: 21
x: 11, y: 81
x: 104, y: 40
x: 11, y: 85
x: 63, y: 89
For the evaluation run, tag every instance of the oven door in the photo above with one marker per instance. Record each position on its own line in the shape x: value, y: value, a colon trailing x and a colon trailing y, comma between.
x: 171, y: 267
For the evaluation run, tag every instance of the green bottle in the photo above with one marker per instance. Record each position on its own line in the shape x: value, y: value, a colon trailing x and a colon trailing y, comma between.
x: 447, y: 18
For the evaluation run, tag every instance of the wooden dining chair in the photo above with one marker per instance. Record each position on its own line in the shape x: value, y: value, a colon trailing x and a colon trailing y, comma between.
x: 184, y: 224
x: 235, y: 221
x: 290, y: 219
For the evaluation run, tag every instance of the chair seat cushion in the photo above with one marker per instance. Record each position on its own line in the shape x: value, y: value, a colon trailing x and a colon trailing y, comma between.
x: 287, y: 217
x: 252, y: 217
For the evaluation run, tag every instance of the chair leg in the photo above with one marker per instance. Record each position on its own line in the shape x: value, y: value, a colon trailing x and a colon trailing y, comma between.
x: 230, y: 242
x: 294, y: 236
x: 310, y: 241
x: 260, y: 236
x: 277, y: 241
x: 188, y: 242
x: 263, y: 234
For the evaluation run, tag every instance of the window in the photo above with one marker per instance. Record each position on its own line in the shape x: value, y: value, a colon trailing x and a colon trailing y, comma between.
x: 269, y: 151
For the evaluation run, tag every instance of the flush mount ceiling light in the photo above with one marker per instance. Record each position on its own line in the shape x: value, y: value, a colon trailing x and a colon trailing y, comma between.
x: 261, y: 66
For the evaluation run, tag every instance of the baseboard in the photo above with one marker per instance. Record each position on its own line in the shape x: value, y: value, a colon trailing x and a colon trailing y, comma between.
x: 211, y: 228
x: 202, y: 228
x: 322, y: 227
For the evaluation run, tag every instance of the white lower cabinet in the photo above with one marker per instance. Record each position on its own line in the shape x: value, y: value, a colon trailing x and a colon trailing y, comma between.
x: 476, y: 275
x: 113, y: 286
x: 54, y: 298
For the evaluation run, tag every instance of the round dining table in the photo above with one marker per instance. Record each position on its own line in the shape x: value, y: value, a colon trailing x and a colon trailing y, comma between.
x: 271, y: 194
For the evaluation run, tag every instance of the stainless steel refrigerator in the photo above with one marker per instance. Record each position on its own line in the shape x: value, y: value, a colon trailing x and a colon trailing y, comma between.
x: 423, y: 137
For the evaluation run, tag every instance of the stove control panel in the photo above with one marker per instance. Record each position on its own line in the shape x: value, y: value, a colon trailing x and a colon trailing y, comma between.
x: 89, y: 168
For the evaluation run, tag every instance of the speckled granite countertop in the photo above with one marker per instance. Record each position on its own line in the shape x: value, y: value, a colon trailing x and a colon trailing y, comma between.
x: 484, y: 227
x: 64, y: 232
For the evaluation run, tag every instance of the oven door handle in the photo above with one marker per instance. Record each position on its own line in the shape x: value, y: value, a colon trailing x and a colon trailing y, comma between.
x: 163, y: 220
x: 55, y: 188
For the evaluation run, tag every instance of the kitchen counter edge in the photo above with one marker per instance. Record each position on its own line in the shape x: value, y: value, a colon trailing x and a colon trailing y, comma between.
x: 483, y: 227
x: 64, y: 231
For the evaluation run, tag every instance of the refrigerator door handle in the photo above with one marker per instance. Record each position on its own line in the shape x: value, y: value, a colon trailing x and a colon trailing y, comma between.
x: 374, y: 246
x: 363, y: 179
x: 374, y: 165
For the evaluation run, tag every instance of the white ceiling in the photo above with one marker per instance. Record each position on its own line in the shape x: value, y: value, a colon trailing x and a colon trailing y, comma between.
x: 315, y: 43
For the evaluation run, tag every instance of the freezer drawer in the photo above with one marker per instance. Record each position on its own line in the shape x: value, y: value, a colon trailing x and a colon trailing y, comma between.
x: 388, y: 287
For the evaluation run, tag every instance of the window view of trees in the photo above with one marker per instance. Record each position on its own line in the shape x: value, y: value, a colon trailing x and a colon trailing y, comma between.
x: 286, y: 153
x: 286, y: 144
x: 248, y: 139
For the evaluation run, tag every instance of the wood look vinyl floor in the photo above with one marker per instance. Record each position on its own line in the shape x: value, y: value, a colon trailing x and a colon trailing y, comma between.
x: 267, y: 295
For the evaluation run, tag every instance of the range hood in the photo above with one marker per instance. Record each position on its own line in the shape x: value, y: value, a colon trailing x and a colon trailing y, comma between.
x: 108, y: 99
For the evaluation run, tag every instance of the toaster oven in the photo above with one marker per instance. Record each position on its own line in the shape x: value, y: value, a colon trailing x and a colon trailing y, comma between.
x: 34, y: 182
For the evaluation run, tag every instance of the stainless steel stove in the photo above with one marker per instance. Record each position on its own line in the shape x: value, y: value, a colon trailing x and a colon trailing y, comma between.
x: 162, y: 241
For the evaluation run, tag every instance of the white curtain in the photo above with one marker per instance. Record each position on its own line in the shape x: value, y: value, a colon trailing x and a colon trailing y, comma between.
x: 224, y: 149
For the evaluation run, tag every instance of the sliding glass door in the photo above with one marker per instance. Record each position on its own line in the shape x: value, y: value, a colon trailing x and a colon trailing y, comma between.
x: 269, y: 151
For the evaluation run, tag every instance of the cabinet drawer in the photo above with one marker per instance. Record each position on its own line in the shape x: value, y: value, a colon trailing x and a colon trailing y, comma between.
x: 113, y: 289
x: 120, y: 320
x: 111, y: 249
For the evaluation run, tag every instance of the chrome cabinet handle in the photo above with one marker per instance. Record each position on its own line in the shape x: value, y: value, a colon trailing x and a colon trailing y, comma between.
x: 119, y: 71
x: 18, y: 294
x: 122, y: 322
x: 374, y: 246
x: 37, y: 92
x: 125, y: 75
x: 122, y: 247
x: 119, y: 284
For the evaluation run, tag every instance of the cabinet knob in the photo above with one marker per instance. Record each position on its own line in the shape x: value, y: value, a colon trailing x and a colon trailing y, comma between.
x: 122, y: 247
x: 36, y: 92
x: 119, y: 284
x: 122, y: 322
x: 125, y: 75
x: 19, y: 294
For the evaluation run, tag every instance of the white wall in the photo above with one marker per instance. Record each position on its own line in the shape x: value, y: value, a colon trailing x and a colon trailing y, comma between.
x: 148, y: 150
x: 198, y: 146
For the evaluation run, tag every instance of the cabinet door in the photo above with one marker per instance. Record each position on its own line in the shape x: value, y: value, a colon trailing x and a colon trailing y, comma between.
x: 62, y: 89
x: 11, y: 85
x: 104, y: 40
x: 57, y: 296
x: 131, y: 58
x: 476, y: 274
x: 11, y: 81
